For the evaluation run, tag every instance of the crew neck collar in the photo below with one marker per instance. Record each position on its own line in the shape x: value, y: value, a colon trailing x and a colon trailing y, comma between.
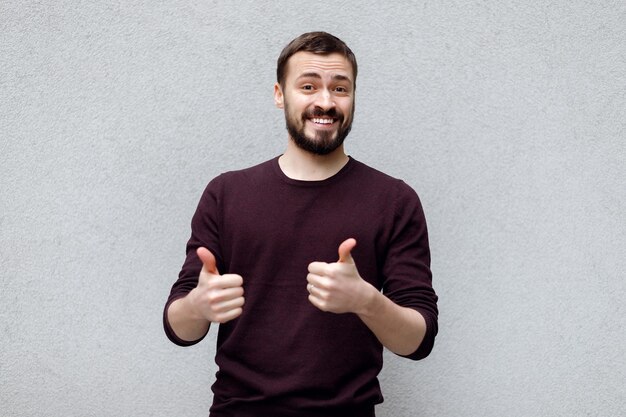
x: 313, y: 183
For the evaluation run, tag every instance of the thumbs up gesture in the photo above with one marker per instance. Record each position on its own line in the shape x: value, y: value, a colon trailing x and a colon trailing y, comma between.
x: 217, y: 298
x: 337, y: 287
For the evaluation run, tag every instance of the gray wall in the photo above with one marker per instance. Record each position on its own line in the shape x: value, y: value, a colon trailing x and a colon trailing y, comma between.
x: 508, y: 118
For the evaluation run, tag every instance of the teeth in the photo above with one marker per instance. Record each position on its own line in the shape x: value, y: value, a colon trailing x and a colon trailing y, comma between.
x: 323, y: 121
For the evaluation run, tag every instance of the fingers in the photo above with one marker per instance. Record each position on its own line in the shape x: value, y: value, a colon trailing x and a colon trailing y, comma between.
x: 318, y: 296
x: 225, y: 295
x: 345, y: 249
x: 225, y: 307
x: 221, y: 298
x: 318, y: 292
x: 319, y: 281
x: 318, y: 268
x: 317, y: 302
x: 320, y: 289
x: 218, y: 298
x: 228, y: 315
x: 226, y: 304
x: 345, y: 256
x: 209, y: 265
x: 208, y: 260
x: 227, y: 281
x: 332, y: 286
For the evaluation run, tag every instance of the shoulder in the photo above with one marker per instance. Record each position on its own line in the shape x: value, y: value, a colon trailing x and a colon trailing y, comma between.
x: 241, y: 177
x: 385, y: 183
x: 388, y: 194
x: 262, y: 169
x: 235, y: 183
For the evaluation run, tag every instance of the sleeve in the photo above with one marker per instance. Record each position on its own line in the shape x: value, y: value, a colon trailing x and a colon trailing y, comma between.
x: 204, y: 233
x: 406, y: 269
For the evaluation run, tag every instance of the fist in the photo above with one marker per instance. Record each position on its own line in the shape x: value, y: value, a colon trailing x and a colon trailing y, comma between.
x: 337, y: 287
x: 217, y: 298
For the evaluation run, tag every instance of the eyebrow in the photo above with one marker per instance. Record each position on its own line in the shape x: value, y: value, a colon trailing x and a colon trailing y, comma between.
x: 336, y: 77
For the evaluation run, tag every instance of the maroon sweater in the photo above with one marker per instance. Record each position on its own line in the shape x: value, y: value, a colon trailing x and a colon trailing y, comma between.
x: 283, y: 356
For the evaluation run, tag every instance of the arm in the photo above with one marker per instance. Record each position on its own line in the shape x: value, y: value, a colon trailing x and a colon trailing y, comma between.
x: 338, y: 288
x: 399, y: 329
x: 184, y: 322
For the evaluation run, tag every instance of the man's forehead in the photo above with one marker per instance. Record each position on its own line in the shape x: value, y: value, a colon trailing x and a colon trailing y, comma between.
x: 307, y: 62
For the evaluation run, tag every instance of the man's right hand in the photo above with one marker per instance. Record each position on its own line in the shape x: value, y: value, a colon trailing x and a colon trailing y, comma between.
x: 217, y: 298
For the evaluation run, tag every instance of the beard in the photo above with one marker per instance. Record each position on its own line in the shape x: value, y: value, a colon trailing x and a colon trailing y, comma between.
x: 324, y: 142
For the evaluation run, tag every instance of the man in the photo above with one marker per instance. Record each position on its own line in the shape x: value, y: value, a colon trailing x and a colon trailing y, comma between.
x: 291, y: 256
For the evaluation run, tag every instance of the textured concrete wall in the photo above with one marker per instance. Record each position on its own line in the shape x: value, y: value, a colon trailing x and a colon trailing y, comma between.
x: 508, y: 118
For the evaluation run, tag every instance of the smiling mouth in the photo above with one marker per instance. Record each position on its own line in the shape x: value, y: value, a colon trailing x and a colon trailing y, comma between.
x: 322, y: 121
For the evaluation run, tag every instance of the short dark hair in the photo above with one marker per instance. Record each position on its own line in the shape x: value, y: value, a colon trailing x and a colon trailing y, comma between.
x: 321, y: 43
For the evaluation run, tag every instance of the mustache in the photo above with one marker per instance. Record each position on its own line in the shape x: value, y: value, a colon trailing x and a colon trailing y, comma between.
x: 319, y: 112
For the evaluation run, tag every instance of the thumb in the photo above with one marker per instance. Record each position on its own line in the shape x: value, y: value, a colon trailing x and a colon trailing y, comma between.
x: 344, y: 251
x: 208, y: 260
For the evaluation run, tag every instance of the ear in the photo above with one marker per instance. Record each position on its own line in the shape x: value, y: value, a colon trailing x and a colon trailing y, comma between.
x: 278, y: 96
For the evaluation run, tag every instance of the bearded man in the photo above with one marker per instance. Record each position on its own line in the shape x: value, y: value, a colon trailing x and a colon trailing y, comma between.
x: 312, y: 262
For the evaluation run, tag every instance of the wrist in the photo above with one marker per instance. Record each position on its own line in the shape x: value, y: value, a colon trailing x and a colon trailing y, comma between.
x: 187, y: 307
x: 183, y: 322
x: 370, y: 302
x: 191, y: 306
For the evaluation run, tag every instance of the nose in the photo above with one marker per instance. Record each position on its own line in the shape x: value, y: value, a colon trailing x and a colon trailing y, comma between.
x: 325, y: 100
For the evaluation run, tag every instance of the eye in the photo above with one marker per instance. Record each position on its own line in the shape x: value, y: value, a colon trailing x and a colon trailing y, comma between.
x: 307, y: 87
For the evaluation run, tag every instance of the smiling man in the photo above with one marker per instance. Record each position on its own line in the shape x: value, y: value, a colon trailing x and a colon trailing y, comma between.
x: 321, y: 101
x: 311, y: 262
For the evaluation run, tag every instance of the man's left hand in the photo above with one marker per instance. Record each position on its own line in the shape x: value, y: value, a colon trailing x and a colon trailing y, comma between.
x: 337, y: 287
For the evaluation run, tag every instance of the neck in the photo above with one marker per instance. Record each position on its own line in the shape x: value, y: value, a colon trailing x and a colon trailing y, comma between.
x: 301, y: 165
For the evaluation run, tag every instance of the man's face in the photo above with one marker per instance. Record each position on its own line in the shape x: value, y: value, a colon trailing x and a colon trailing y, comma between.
x: 318, y: 100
